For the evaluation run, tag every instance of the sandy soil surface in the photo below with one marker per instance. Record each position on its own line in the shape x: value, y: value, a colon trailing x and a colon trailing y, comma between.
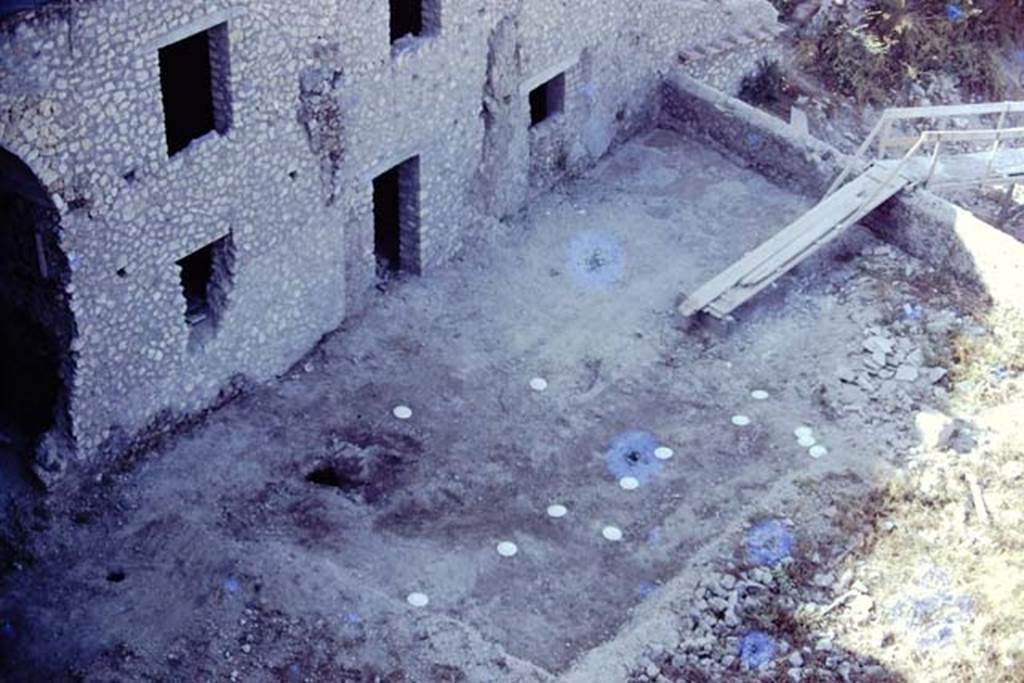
x: 285, y: 537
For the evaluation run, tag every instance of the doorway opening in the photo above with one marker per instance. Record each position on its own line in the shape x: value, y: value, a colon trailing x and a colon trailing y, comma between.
x: 396, y: 218
x: 35, y: 337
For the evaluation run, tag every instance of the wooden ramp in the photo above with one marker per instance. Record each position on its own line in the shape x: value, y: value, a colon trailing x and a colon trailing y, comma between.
x: 827, y: 220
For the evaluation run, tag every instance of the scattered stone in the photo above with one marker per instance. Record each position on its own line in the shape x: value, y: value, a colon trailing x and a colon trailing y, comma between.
x: 796, y: 660
x: 874, y: 362
x: 860, y: 608
x: 1012, y: 470
x: 817, y: 451
x: 956, y: 435
x: 740, y: 420
x: 824, y: 579
x: 846, y: 374
x: 507, y: 549
x: 878, y: 345
x: 612, y: 533
x: 906, y: 373
x: 402, y: 412
x: 538, y: 384
x: 759, y: 395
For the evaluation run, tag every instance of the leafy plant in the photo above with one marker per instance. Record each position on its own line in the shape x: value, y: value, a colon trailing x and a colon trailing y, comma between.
x: 763, y: 86
x: 871, y: 53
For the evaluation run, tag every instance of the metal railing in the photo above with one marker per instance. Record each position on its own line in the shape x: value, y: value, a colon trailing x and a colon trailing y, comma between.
x: 882, y: 134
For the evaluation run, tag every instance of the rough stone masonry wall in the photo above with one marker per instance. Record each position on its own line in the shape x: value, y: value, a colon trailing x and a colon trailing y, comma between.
x: 320, y: 103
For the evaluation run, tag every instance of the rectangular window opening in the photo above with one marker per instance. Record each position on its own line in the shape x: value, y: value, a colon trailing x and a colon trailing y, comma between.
x: 396, y: 218
x: 195, y: 88
x: 547, y: 99
x: 414, y: 18
x: 207, y: 275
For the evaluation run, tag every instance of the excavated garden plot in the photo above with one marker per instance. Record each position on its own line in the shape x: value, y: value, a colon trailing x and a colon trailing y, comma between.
x: 280, y: 539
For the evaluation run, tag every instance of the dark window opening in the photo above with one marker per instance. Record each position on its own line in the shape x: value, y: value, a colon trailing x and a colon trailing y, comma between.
x: 547, y: 99
x: 414, y: 18
x: 194, y: 75
x: 396, y: 218
x: 206, y: 279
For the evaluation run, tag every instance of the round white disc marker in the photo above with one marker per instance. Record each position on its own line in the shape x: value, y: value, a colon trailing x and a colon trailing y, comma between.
x: 557, y: 511
x: 663, y: 452
x: 740, y: 420
x: 612, y: 533
x: 817, y: 451
x: 538, y: 384
x: 802, y: 432
x: 629, y: 483
x: 759, y: 395
x: 806, y: 441
x: 417, y: 599
x: 402, y: 412
x: 507, y: 549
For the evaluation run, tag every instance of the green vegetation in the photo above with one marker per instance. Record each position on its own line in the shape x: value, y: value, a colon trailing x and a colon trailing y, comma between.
x: 763, y: 86
x: 876, y: 49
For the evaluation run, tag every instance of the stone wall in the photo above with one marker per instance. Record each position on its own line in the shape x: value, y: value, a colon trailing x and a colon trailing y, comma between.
x: 317, y: 103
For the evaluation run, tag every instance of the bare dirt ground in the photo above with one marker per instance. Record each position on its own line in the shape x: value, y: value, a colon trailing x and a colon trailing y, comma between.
x: 281, y: 539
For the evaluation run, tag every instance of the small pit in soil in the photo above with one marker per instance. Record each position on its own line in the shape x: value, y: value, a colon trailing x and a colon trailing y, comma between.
x: 329, y: 475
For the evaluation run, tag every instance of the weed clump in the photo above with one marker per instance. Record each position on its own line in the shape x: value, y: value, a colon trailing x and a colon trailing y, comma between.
x: 871, y: 50
x: 764, y: 86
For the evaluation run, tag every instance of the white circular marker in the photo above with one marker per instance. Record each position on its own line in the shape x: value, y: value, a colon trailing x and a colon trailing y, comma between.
x: 612, y: 533
x: 806, y: 441
x: 402, y: 412
x: 817, y: 451
x: 759, y: 395
x: 740, y: 420
x: 629, y: 483
x: 663, y: 452
x: 507, y: 549
x: 417, y: 599
x: 802, y: 432
x: 538, y: 384
x: 557, y: 511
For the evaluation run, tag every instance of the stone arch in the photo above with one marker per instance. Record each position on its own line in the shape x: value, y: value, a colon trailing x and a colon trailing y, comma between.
x: 36, y: 323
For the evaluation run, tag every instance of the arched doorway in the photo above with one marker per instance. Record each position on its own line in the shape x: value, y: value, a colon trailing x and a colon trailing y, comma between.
x: 36, y: 326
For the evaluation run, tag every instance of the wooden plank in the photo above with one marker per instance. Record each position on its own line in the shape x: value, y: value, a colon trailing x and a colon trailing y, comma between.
x: 759, y: 280
x: 827, y: 212
x: 755, y: 270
